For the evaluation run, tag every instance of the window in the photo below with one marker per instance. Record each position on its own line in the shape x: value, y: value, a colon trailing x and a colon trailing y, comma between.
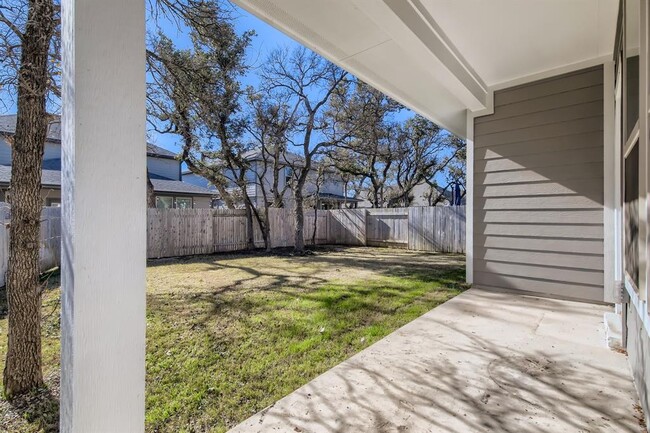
x: 288, y: 175
x: 164, y: 202
x: 183, y: 202
x: 53, y: 202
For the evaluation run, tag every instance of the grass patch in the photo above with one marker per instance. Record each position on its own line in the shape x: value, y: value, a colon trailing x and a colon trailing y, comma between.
x: 227, y: 335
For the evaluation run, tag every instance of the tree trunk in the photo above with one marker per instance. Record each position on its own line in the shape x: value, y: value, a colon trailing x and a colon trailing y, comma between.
x: 266, y: 230
x: 298, y: 211
x: 23, y: 364
x: 151, y: 195
x: 250, y: 229
x: 313, y: 234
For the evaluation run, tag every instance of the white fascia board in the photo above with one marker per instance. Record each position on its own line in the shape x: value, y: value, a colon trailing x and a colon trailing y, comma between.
x: 411, y: 26
x: 277, y: 18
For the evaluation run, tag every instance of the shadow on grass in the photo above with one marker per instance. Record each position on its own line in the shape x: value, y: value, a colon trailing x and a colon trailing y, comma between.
x: 277, y: 327
x: 36, y: 411
x: 49, y: 280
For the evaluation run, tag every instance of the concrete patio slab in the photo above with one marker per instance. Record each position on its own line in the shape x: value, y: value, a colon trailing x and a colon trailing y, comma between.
x: 482, y: 362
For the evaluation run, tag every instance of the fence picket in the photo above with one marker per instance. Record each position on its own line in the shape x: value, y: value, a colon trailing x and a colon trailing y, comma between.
x: 179, y: 232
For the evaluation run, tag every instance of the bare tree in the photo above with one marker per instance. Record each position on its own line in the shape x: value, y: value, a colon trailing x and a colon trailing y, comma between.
x: 313, y: 199
x: 309, y: 81
x: 34, y: 42
x: 178, y: 78
x: 364, y: 113
x: 423, y: 151
x: 455, y: 175
x: 271, y: 121
x: 30, y: 74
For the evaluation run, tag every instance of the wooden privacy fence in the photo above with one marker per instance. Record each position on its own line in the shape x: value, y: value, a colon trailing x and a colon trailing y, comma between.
x: 179, y: 232
x: 182, y: 232
x: 440, y: 228
x: 50, y: 239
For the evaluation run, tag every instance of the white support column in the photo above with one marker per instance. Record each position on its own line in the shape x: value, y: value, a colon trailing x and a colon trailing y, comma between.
x: 469, y: 202
x: 104, y: 216
x: 611, y: 183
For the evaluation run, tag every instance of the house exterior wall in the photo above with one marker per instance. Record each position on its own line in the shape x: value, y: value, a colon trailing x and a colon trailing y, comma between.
x: 332, y: 184
x: 169, y: 168
x: 52, y: 151
x: 51, y: 195
x: 538, y: 188
x: 202, y: 202
x: 5, y: 152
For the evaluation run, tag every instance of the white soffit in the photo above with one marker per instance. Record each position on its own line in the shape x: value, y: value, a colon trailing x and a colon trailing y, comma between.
x: 342, y: 32
x: 442, y: 57
x: 505, y: 40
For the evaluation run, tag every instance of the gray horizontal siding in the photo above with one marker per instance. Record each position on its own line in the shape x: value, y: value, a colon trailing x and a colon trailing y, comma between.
x: 566, y: 142
x: 51, y: 151
x: 169, y: 168
x: 538, y: 188
x: 532, y: 244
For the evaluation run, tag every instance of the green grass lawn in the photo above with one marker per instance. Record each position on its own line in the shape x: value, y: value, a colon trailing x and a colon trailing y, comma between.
x: 227, y: 335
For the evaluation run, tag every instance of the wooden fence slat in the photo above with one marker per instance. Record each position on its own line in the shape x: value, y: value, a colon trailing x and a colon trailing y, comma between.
x: 179, y: 232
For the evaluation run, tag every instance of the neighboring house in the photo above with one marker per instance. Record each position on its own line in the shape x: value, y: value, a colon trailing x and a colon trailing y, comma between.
x: 331, y: 194
x: 163, y: 167
x: 420, y: 196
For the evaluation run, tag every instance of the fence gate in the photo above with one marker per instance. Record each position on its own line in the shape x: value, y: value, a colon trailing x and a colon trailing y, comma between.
x: 387, y: 227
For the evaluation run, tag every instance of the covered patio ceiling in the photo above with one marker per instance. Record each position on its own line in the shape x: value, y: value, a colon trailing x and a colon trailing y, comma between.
x: 443, y: 57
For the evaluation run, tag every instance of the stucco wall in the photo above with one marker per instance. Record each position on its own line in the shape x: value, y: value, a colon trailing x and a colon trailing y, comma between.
x: 538, y: 185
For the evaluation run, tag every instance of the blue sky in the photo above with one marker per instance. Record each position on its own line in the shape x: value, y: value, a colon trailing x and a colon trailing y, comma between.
x: 266, y: 40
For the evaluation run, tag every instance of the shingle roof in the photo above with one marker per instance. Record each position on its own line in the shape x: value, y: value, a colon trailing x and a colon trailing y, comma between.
x: 178, y: 187
x: 8, y: 126
x: 52, y: 179
x: 329, y: 195
x: 152, y: 149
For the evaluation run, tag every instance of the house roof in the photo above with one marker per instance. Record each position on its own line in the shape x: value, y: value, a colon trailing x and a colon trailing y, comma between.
x: 8, y: 126
x: 52, y: 179
x: 158, y: 151
x: 337, y: 197
x: 179, y: 187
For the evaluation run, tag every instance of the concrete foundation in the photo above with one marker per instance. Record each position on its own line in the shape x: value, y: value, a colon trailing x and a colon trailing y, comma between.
x: 638, y: 348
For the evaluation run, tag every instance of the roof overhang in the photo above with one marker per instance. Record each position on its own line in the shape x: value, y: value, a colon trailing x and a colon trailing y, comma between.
x: 442, y: 58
